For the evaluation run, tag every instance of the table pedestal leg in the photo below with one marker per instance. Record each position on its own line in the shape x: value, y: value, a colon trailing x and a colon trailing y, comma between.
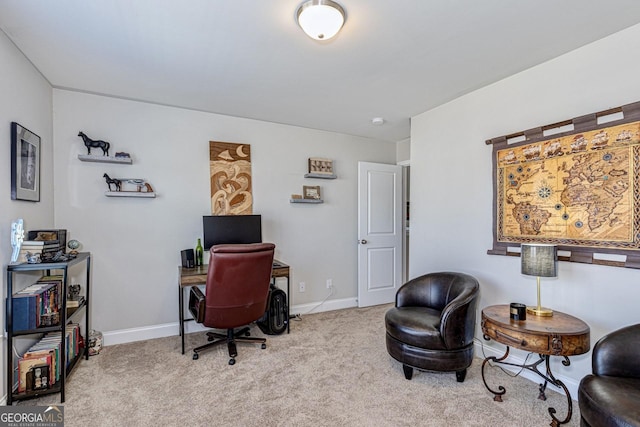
x: 548, y: 379
x: 497, y: 395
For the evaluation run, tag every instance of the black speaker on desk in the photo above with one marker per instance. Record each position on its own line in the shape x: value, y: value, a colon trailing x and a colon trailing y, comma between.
x: 188, y: 258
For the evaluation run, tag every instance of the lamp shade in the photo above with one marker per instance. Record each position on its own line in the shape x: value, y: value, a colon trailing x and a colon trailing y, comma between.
x: 321, y: 19
x: 538, y: 260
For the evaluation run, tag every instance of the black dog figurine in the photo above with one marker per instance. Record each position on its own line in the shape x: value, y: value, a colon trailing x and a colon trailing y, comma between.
x: 115, y: 182
x: 88, y: 142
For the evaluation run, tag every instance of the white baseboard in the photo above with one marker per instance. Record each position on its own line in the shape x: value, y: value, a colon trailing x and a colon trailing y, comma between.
x: 330, y: 305
x: 123, y: 336
x: 483, y: 350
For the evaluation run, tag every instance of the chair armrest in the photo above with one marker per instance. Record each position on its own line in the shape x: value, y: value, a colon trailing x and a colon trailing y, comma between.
x: 458, y: 319
x: 197, y: 304
x: 616, y: 354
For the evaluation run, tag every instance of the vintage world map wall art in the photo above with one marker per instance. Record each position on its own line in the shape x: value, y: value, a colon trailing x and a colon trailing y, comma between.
x: 230, y: 171
x: 579, y: 189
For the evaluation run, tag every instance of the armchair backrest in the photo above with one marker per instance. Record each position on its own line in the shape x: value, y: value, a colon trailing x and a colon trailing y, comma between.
x: 454, y: 295
x: 237, y: 287
x: 616, y: 354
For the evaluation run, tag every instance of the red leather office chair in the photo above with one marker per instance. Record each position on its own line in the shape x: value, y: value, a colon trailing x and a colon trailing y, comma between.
x: 236, y: 293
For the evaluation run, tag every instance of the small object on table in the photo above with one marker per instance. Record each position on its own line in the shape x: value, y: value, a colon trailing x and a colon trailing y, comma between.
x: 73, y: 245
x: 32, y: 258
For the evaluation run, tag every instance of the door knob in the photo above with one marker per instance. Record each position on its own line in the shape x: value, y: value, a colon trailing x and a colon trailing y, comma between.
x: 362, y: 242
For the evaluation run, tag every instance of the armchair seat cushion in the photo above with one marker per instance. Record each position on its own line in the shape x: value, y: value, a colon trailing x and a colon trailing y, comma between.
x: 415, y: 326
x: 610, y: 401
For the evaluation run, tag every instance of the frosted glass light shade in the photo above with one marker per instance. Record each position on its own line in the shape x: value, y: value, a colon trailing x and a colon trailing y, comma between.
x: 321, y: 19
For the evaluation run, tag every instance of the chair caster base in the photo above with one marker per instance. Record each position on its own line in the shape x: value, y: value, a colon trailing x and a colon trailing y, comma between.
x: 232, y: 361
x: 195, y: 356
x: 461, y: 375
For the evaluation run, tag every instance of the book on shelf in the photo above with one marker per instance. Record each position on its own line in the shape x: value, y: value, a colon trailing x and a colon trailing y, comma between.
x: 49, y: 349
x: 37, y: 305
x: 48, y: 345
x: 25, y: 363
x: 41, y: 349
x: 37, y: 244
x: 74, y: 303
x: 28, y: 306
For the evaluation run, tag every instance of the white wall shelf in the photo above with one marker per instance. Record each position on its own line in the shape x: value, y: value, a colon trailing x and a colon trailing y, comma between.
x: 104, y: 159
x: 305, y: 201
x: 141, y: 194
x: 320, y: 176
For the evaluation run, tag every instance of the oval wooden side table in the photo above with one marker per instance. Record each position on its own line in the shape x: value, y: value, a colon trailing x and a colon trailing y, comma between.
x: 558, y: 335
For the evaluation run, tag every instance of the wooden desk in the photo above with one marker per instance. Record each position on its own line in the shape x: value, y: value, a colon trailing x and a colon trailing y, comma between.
x: 559, y: 335
x: 188, y: 277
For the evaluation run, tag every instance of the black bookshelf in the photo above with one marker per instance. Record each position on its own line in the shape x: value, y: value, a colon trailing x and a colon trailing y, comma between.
x: 67, y: 315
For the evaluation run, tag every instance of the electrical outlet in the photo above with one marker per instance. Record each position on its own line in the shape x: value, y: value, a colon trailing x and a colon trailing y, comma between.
x: 329, y: 283
x: 303, y: 286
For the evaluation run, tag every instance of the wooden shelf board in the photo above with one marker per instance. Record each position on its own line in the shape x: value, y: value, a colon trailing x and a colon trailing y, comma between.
x: 104, y: 159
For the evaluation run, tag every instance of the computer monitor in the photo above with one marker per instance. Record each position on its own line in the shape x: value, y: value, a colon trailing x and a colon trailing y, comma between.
x: 225, y: 229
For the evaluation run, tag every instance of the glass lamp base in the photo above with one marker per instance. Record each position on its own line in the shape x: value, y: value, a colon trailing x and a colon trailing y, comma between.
x: 540, y: 311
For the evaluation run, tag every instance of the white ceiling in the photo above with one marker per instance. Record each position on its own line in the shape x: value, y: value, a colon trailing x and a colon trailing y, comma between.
x: 393, y: 58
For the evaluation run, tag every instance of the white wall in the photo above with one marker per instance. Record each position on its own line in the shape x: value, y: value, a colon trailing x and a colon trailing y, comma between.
x: 25, y: 98
x: 451, y: 192
x: 403, y: 151
x: 136, y: 243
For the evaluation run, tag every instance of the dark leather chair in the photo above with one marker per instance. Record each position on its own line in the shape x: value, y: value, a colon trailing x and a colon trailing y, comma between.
x: 432, y: 325
x: 236, y: 295
x: 611, y: 395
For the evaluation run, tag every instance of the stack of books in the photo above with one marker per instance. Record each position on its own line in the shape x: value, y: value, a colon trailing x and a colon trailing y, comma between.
x: 38, y: 305
x: 40, y: 367
x: 37, y: 247
x: 74, y: 303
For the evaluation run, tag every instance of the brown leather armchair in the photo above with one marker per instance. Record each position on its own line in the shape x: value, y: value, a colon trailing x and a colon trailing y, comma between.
x: 432, y: 325
x: 236, y: 295
x: 611, y: 396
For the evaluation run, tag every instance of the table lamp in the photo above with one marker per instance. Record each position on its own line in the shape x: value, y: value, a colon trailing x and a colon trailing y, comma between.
x: 538, y: 260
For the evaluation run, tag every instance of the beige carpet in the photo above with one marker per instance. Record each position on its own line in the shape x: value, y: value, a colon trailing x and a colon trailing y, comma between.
x: 331, y: 370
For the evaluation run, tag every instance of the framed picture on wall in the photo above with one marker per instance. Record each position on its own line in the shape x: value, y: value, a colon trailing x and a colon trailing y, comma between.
x: 311, y: 192
x: 25, y: 164
x: 321, y: 166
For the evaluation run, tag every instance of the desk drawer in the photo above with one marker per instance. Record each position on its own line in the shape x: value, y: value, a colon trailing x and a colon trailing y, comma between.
x: 517, y: 339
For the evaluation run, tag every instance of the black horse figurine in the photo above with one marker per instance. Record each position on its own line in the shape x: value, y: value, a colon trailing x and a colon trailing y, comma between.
x: 88, y: 142
x: 115, y: 182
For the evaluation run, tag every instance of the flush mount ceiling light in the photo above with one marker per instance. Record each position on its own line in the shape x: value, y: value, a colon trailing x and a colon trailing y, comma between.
x: 320, y: 19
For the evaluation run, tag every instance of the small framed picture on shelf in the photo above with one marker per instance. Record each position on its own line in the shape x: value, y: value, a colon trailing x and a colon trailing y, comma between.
x: 321, y: 166
x: 25, y: 164
x: 311, y: 192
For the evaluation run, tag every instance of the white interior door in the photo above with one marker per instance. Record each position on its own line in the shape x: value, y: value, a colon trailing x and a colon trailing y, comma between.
x: 380, y: 228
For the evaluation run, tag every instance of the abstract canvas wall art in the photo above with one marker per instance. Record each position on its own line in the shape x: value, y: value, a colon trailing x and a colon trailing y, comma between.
x: 230, y: 173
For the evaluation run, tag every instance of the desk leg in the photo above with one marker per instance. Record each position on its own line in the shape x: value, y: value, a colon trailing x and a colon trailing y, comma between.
x: 288, y: 304
x: 533, y: 367
x: 181, y: 314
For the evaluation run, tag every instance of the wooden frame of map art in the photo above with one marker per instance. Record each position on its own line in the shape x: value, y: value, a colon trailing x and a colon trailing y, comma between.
x: 573, y: 184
